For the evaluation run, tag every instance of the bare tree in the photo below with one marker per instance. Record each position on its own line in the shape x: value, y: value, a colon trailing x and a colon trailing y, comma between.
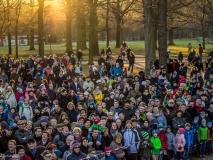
x: 93, y: 33
x: 41, y: 27
x: 150, y: 33
x: 120, y: 9
x: 32, y: 32
x: 68, y: 25
x: 81, y: 24
x: 18, y: 6
x: 162, y: 31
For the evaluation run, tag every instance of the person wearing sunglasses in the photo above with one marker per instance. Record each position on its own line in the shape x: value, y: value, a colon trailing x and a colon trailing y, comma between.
x: 77, y: 154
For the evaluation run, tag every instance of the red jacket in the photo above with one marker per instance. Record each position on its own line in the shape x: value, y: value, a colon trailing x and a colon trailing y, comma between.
x: 163, y: 140
x: 26, y: 157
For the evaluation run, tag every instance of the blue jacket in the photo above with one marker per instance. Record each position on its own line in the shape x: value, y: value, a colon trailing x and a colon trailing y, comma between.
x: 189, y: 136
x: 116, y: 71
x: 131, y: 140
x: 111, y: 157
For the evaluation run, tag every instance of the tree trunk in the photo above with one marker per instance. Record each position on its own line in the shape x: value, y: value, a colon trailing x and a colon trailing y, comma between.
x: 162, y: 31
x: 68, y: 26
x: 1, y: 41
x: 41, y: 28
x: 16, y: 40
x: 107, y: 24
x: 149, y: 35
x: 171, y: 37
x: 31, y: 39
x: 81, y: 27
x: 9, y: 43
x: 118, y: 25
x: 118, y: 33
x: 93, y: 34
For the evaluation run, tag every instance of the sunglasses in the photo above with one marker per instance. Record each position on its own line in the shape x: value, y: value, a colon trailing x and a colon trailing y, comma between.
x: 77, y: 147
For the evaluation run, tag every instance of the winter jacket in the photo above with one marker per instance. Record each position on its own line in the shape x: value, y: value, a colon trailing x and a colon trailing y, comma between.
x: 178, y: 122
x: 189, y: 137
x: 159, y: 119
x: 22, y: 136
x: 88, y: 85
x: 119, y: 153
x: 163, y: 139
x: 131, y: 140
x: 75, y: 156
x: 59, y: 141
x: 116, y: 71
x: 203, y: 134
x: 26, y: 111
x: 170, y: 141
x: 11, y: 100
x: 180, y: 142
x: 111, y: 157
x: 156, y: 145
x: 98, y: 97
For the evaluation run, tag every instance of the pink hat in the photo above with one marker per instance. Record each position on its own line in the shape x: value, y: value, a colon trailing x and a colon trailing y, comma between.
x: 107, y: 149
x: 181, y: 130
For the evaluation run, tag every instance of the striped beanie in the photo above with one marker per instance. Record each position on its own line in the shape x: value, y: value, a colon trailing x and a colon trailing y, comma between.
x: 144, y: 134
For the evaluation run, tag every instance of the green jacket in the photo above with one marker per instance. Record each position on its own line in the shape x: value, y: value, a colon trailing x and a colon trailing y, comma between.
x: 155, y: 143
x: 203, y: 133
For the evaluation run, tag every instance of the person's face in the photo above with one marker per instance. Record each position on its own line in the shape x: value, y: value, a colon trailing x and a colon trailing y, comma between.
x: 38, y: 133
x: 118, y: 122
x: 100, y: 108
x: 65, y: 130
x: 70, y: 106
x: 155, y: 110
x: 127, y: 105
x: 31, y: 145
x: 146, y: 124
x: 187, y: 128
x: 114, y: 126
x: 87, y: 124
x: 182, y: 108
x: 11, y: 146
x: 44, y: 136
x: 171, y: 104
x: 53, y: 122
x: 77, y: 149
x: 69, y: 140
x: 121, y: 116
x: 168, y: 130
x: 128, y: 125
x: 22, y: 126
x: 142, y: 109
x: 179, y: 114
x: 95, y: 133
x: 118, y: 139
x: 21, y: 152
x: 157, y: 103
x: 116, y: 104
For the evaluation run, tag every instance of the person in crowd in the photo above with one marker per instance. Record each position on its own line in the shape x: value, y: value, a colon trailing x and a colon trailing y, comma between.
x: 131, y: 140
x: 180, y: 143
x: 155, y: 145
x: 131, y: 62
x: 203, y: 134
x: 189, y: 140
x: 58, y: 111
x: 76, y: 152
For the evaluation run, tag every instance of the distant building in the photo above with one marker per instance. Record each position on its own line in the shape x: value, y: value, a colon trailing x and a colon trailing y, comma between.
x: 22, y: 40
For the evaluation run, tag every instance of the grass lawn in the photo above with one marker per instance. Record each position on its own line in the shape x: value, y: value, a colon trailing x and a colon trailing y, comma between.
x: 137, y: 47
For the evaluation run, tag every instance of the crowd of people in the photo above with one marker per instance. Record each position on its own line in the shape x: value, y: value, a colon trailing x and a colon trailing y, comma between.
x: 51, y: 110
